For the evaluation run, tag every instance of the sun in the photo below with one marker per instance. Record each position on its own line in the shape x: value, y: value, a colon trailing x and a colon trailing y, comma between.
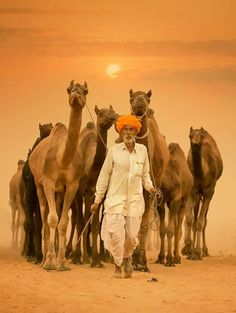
x: 113, y: 70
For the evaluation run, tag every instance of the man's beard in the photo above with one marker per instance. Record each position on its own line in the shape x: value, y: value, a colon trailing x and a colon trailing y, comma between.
x: 129, y: 138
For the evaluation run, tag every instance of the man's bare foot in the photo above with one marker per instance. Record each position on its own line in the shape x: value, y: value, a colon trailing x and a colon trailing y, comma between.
x: 128, y: 267
x: 118, y: 272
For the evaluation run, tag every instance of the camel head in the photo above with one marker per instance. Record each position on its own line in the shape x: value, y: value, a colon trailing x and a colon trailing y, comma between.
x: 106, y: 117
x: 45, y: 130
x: 77, y: 94
x: 196, y: 136
x: 139, y: 101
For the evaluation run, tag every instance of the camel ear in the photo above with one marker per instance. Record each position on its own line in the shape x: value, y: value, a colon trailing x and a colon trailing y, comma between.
x: 96, y: 109
x: 70, y: 87
x: 131, y: 93
x: 40, y: 125
x: 149, y: 93
x: 111, y: 107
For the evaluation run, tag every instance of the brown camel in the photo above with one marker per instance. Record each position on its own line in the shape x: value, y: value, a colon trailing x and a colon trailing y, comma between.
x: 18, y: 216
x: 206, y: 165
x: 56, y: 165
x: 94, y: 149
x: 176, y: 185
x: 158, y: 153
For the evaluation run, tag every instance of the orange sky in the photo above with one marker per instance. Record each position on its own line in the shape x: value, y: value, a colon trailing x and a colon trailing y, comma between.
x: 185, y: 51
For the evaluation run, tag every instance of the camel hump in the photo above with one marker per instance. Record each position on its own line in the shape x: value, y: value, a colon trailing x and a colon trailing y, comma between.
x: 90, y: 125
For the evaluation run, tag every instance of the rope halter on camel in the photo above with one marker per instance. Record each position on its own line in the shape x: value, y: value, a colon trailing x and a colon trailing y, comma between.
x: 146, y: 102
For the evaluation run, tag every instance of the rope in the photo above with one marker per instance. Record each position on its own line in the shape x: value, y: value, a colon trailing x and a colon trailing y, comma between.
x: 86, y: 225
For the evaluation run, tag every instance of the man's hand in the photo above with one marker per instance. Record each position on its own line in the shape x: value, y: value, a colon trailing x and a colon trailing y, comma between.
x: 157, y: 191
x: 94, y: 207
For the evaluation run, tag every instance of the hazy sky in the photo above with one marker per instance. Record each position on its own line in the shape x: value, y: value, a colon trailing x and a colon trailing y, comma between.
x: 185, y: 51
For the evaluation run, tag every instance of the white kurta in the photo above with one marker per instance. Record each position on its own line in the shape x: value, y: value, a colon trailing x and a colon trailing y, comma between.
x: 123, y: 176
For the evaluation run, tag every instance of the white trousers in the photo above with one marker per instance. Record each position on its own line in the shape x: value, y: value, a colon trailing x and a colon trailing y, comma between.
x: 120, y: 235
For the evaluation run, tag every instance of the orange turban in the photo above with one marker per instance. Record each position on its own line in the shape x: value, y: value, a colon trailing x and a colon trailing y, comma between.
x: 130, y: 120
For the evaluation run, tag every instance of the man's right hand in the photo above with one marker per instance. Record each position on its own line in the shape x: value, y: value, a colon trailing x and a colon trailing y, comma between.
x: 94, y: 207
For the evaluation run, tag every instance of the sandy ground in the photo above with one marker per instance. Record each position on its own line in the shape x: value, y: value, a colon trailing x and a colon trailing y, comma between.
x: 194, y: 286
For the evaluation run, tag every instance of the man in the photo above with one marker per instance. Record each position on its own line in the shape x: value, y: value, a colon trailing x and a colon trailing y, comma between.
x: 125, y: 170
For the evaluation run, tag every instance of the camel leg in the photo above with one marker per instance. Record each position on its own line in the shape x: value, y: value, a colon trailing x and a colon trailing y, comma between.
x: 50, y: 262
x: 13, y: 227
x: 37, y: 220
x: 173, y: 209
x: 44, y: 214
x: 162, y: 232
x: 204, y: 245
x: 86, y: 246
x: 195, y: 255
x: 63, y: 224
x: 189, y: 220
x: 95, y: 228
x: 178, y: 233
x: 16, y: 243
x: 79, y: 223
x: 73, y: 224
x: 21, y: 224
x: 201, y: 222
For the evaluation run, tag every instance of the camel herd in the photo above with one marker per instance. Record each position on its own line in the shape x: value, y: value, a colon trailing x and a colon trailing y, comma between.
x: 60, y: 175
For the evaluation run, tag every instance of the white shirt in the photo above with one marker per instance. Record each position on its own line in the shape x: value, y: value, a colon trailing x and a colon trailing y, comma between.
x: 123, y: 176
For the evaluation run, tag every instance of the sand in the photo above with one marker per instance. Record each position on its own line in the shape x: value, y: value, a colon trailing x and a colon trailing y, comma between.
x: 194, y: 286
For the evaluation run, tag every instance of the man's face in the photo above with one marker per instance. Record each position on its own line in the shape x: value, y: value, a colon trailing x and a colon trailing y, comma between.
x: 128, y: 134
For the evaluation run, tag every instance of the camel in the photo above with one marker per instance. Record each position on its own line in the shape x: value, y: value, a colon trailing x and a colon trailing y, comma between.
x: 158, y: 152
x: 94, y: 150
x: 56, y: 164
x: 16, y: 208
x: 176, y: 186
x: 33, y: 222
x: 206, y: 165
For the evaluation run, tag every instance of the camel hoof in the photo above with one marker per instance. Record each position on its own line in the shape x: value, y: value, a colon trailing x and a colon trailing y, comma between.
x: 140, y: 268
x: 97, y: 265
x: 160, y: 260
x: 49, y: 266
x: 62, y: 267
x: 194, y: 257
x: 205, y: 253
x: 76, y: 259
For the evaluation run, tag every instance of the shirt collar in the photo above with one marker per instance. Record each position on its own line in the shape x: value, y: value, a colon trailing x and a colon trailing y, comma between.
x: 125, y: 148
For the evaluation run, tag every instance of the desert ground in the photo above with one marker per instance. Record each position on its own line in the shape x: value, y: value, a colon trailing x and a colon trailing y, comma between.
x: 193, y: 286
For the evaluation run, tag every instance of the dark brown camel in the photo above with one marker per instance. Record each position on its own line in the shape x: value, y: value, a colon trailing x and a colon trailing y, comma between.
x: 33, y: 222
x: 176, y: 185
x: 158, y: 153
x: 93, y: 147
x: 206, y: 165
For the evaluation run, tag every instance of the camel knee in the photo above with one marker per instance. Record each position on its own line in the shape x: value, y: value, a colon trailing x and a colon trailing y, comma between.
x: 62, y: 228
x: 199, y: 225
x: 52, y: 220
x: 189, y: 220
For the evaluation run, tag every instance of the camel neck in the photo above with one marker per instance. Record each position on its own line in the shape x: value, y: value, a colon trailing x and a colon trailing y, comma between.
x: 143, y: 132
x: 100, y: 153
x: 72, y: 136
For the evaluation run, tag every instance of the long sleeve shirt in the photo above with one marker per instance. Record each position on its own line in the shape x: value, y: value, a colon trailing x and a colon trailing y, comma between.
x: 123, y: 176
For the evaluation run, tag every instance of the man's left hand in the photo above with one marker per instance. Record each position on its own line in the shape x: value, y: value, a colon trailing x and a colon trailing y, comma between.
x: 156, y: 191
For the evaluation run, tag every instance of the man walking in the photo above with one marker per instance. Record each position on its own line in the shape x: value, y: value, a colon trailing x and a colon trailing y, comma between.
x: 124, y: 173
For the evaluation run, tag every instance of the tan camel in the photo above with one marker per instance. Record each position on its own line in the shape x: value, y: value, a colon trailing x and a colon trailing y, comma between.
x: 176, y: 185
x: 158, y: 152
x: 18, y: 216
x: 206, y: 165
x: 93, y: 145
x: 56, y: 166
